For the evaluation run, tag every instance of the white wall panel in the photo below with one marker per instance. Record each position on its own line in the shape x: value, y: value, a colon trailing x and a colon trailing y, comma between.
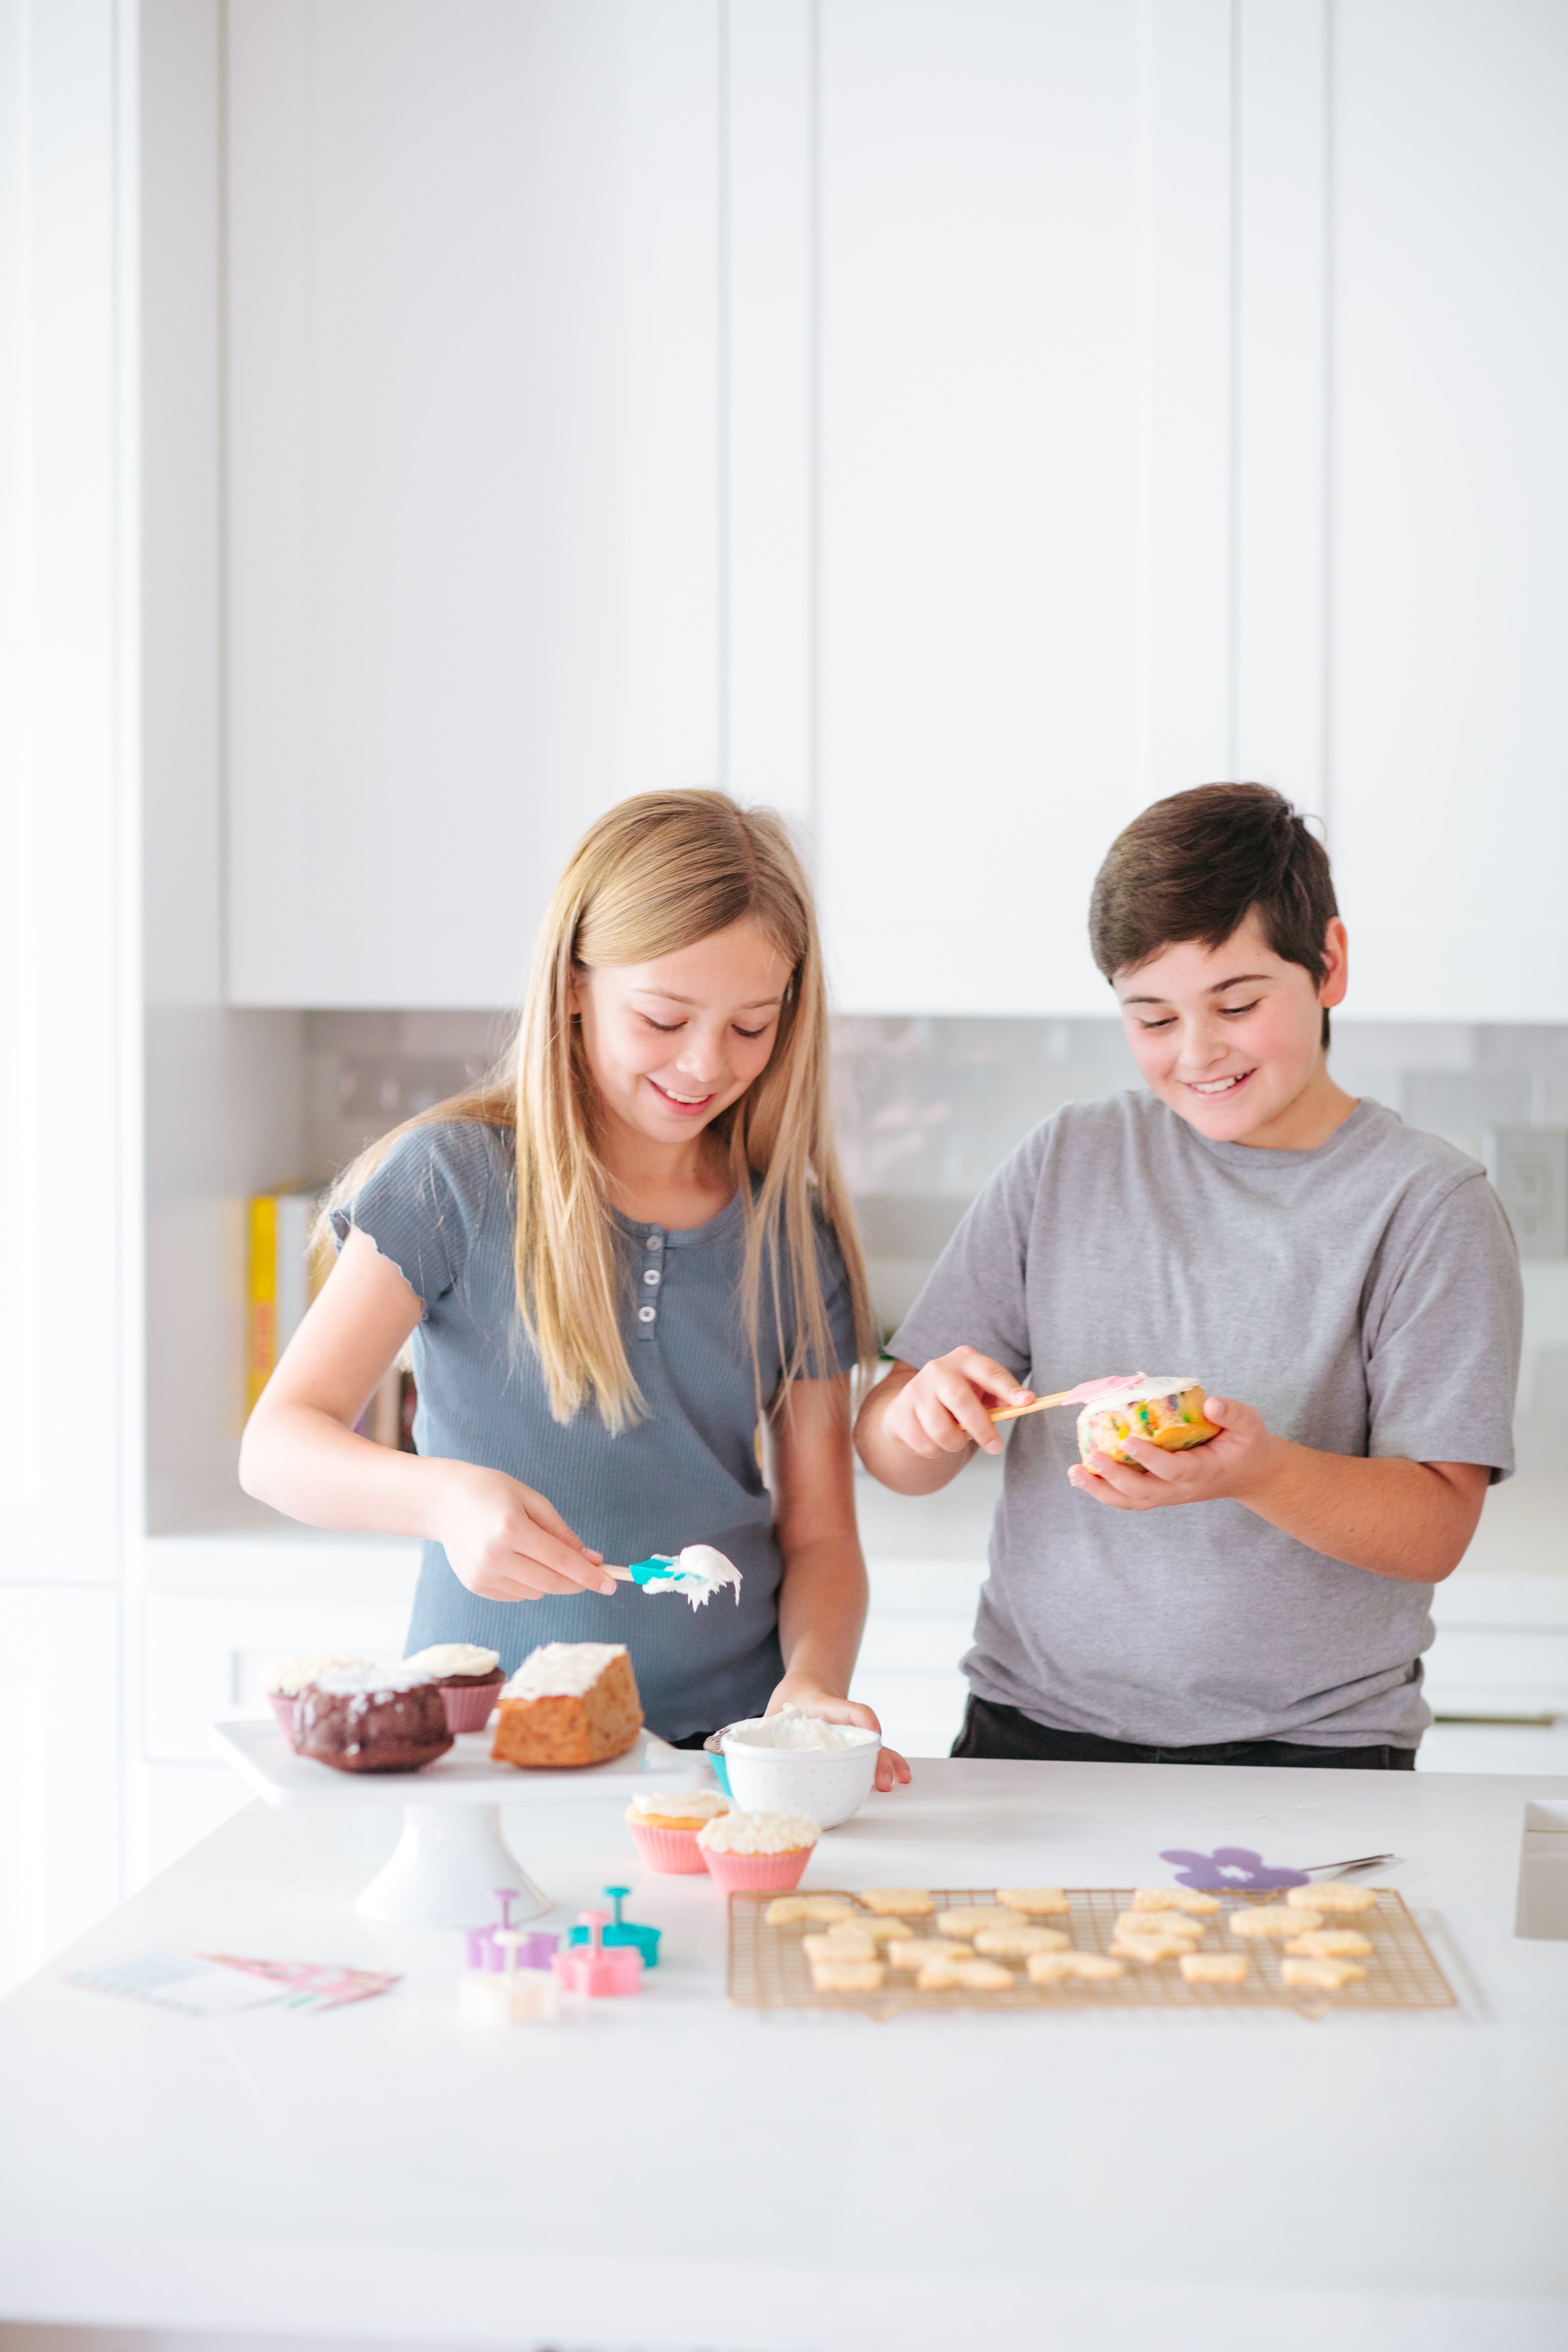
x: 474, y: 381
x: 59, y: 1768
x: 223, y: 1089
x: 1450, y: 506
x: 67, y: 1187
x: 1025, y: 379
x: 1282, y: 424
x: 768, y: 685
x: 1184, y: 386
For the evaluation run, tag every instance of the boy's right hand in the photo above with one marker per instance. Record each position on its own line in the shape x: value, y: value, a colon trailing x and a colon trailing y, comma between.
x: 505, y: 1541
x: 946, y: 1407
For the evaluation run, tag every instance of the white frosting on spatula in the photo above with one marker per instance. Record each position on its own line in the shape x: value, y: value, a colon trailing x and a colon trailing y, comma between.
x: 699, y: 1572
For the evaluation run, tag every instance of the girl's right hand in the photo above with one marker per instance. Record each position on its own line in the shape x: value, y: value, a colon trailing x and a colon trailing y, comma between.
x: 507, y: 1543
x: 946, y: 1407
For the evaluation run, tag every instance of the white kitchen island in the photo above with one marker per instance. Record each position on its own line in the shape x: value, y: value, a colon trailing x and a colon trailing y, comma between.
x: 666, y: 2171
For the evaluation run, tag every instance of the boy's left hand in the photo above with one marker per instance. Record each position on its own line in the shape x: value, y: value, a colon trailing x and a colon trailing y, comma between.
x: 1228, y: 1468
x: 794, y: 1691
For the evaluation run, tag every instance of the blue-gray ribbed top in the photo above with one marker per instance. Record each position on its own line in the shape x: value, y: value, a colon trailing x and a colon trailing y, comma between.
x: 441, y: 1207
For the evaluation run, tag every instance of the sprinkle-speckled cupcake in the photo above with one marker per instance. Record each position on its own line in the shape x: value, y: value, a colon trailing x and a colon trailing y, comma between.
x: 468, y: 1678
x: 664, y: 1823
x: 746, y: 1853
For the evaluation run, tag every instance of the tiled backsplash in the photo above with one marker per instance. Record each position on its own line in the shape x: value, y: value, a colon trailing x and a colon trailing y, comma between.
x: 927, y: 1106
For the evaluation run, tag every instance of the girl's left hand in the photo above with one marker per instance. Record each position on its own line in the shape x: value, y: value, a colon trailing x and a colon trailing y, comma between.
x: 1230, y: 1467
x: 811, y: 1699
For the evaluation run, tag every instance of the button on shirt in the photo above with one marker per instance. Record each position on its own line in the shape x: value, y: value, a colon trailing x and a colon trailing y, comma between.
x: 441, y: 1207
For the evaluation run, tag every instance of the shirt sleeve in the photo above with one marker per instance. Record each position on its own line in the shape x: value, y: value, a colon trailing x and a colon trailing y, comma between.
x: 839, y: 1306
x: 423, y: 1205
x: 976, y: 1294
x: 1443, y: 1340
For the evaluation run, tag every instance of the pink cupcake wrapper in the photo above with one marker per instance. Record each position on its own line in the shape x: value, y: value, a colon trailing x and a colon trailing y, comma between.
x: 747, y: 1874
x: 675, y: 1851
x: 283, y: 1709
x: 470, y: 1709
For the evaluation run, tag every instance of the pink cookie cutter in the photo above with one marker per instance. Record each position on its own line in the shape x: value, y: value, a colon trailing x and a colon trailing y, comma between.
x: 592, y: 1968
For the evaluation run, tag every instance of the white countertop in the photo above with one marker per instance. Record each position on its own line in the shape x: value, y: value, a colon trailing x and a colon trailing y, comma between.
x: 380, y: 2171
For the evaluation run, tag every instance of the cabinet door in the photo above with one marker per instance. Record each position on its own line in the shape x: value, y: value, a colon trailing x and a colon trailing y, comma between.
x: 473, y: 475
x: 59, y: 1768
x: 1025, y: 520
x: 1450, y: 571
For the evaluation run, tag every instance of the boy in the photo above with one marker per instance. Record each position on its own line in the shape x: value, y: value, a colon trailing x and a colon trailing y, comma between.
x: 1262, y: 1598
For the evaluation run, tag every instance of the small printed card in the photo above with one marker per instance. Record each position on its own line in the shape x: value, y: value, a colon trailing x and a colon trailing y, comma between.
x: 311, y: 1984
x: 216, y: 1984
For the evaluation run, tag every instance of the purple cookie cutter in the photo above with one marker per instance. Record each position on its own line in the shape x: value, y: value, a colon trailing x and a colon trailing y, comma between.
x: 535, y: 1950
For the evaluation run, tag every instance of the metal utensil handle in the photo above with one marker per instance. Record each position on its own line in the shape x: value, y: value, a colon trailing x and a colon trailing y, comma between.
x: 1342, y: 1869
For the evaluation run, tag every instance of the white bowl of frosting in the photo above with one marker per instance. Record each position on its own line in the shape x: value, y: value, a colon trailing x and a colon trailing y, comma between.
x: 795, y: 1763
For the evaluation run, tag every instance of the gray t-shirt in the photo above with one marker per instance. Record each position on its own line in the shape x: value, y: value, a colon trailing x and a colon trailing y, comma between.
x: 1364, y: 1297
x: 442, y: 1208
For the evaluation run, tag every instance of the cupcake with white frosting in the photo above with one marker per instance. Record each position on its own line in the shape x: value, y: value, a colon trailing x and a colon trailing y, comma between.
x: 748, y: 1851
x: 287, y: 1677
x: 664, y: 1823
x: 468, y: 1678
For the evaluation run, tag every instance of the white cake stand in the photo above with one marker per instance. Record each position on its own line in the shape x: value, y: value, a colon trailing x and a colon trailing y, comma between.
x: 451, y: 1856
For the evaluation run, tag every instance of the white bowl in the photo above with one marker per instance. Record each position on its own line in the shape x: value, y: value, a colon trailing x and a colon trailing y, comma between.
x: 829, y: 1783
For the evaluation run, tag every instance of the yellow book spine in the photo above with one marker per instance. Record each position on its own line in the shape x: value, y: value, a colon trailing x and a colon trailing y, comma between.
x: 262, y: 1335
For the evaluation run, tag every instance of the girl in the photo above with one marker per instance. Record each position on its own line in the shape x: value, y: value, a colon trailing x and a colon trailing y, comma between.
x: 614, y: 1260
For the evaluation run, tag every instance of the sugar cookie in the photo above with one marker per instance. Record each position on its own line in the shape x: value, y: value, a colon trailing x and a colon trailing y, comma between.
x: 1334, y: 1896
x: 1173, y: 1898
x: 913, y: 1901
x: 1036, y: 1902
x: 1057, y: 1967
x: 788, y: 1910
x: 1017, y: 1943
x: 1150, y: 1948
x: 1271, y: 1919
x: 965, y: 1917
x: 838, y: 1944
x: 1215, y: 1968
x: 926, y: 1951
x: 1329, y: 1944
x: 965, y: 1976
x: 846, y: 1976
x: 1323, y: 1976
x: 1157, y: 1923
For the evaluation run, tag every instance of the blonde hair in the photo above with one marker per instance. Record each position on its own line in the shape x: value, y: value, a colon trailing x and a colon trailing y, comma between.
x: 657, y: 873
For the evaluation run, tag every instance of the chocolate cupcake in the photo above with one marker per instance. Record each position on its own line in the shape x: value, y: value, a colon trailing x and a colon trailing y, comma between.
x: 372, y: 1720
x: 468, y: 1679
x: 288, y: 1676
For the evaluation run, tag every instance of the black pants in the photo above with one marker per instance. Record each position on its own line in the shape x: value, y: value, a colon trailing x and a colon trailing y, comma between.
x: 991, y: 1730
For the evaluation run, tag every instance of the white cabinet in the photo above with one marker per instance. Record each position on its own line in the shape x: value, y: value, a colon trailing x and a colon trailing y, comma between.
x: 473, y: 470
x: 1450, y: 581
x: 1025, y: 620
x: 959, y: 425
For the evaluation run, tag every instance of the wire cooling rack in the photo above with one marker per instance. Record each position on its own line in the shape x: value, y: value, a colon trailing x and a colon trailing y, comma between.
x: 768, y: 1967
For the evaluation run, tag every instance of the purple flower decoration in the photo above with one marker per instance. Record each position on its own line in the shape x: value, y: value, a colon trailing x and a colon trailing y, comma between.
x: 1230, y: 1865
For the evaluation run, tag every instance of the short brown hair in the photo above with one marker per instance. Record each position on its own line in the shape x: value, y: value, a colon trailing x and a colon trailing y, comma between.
x: 1195, y: 865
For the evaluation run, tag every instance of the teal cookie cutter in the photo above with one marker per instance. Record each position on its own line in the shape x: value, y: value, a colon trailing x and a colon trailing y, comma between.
x: 623, y: 1931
